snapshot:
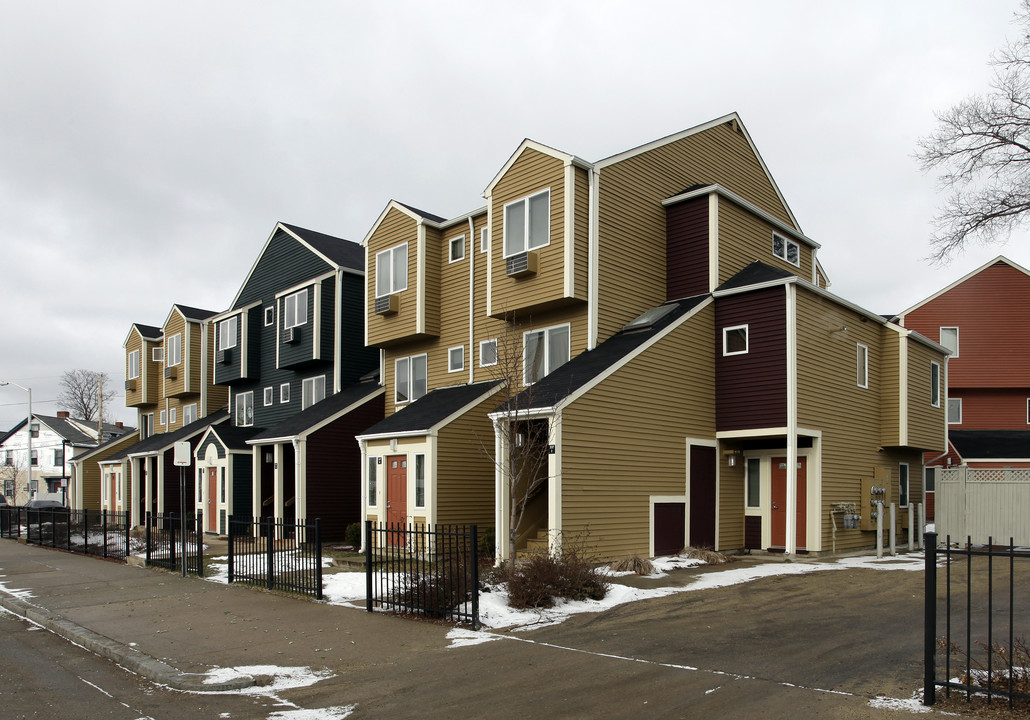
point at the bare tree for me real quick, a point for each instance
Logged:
(10, 469)
(83, 392)
(981, 148)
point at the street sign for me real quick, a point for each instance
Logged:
(183, 456)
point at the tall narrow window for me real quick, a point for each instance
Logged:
(487, 353)
(949, 339)
(392, 270)
(410, 381)
(245, 409)
(269, 395)
(420, 481)
(544, 351)
(284, 393)
(173, 356)
(863, 366)
(935, 384)
(903, 485)
(295, 311)
(171, 415)
(484, 240)
(754, 482)
(373, 468)
(527, 223)
(227, 333)
(189, 414)
(133, 372)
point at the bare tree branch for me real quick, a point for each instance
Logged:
(81, 391)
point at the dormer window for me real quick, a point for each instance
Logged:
(296, 309)
(527, 223)
(786, 249)
(392, 270)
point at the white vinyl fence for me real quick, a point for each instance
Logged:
(983, 503)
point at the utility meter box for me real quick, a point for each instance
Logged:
(876, 490)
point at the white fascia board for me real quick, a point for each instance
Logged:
(747, 205)
(380, 390)
(434, 429)
(757, 286)
(922, 339)
(235, 311)
(390, 436)
(392, 205)
(523, 414)
(528, 144)
(766, 432)
(446, 224)
(305, 284)
(964, 278)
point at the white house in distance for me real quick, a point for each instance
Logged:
(55, 442)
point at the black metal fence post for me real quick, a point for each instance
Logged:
(270, 555)
(318, 558)
(231, 549)
(368, 565)
(475, 577)
(930, 619)
(200, 543)
(147, 537)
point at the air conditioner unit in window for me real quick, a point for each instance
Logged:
(291, 335)
(223, 356)
(387, 305)
(130, 385)
(521, 265)
(170, 373)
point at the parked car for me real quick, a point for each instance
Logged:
(51, 505)
(3, 501)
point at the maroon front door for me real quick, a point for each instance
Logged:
(702, 496)
(779, 503)
(211, 510)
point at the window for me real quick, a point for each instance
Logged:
(34, 429)
(146, 425)
(200, 485)
(171, 416)
(284, 393)
(392, 270)
(163, 417)
(296, 311)
(457, 248)
(754, 482)
(35, 457)
(409, 378)
(949, 339)
(456, 359)
(227, 333)
(544, 351)
(487, 353)
(484, 240)
(189, 414)
(222, 484)
(312, 391)
(157, 354)
(245, 409)
(863, 366)
(269, 316)
(935, 384)
(734, 340)
(527, 223)
(174, 354)
(269, 396)
(373, 498)
(59, 457)
(5, 459)
(903, 485)
(420, 481)
(786, 249)
(134, 364)
(954, 411)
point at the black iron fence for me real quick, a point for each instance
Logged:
(983, 651)
(88, 532)
(276, 554)
(431, 571)
(175, 542)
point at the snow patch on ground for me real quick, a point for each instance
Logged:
(19, 593)
(330, 713)
(463, 637)
(912, 705)
(282, 678)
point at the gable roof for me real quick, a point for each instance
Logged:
(433, 409)
(230, 437)
(147, 332)
(591, 365)
(756, 273)
(163, 441)
(314, 417)
(991, 444)
(1000, 259)
(528, 144)
(125, 438)
(423, 213)
(67, 429)
(343, 253)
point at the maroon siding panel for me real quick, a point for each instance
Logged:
(751, 389)
(172, 479)
(334, 469)
(686, 249)
(752, 532)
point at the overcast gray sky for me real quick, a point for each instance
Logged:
(148, 148)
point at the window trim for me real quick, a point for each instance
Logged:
(157, 354)
(726, 352)
(958, 404)
(270, 316)
(311, 382)
(493, 341)
(394, 287)
(162, 418)
(526, 246)
(242, 422)
(450, 359)
(134, 355)
(940, 336)
(862, 365)
(372, 481)
(173, 342)
(268, 396)
(409, 377)
(787, 242)
(172, 414)
(749, 502)
(188, 416)
(484, 240)
(292, 322)
(284, 392)
(935, 384)
(223, 332)
(417, 480)
(450, 249)
(546, 332)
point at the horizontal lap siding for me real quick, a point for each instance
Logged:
(531, 173)
(744, 238)
(632, 219)
(687, 249)
(196, 355)
(581, 274)
(926, 423)
(395, 229)
(625, 440)
(465, 468)
(436, 258)
(354, 358)
(176, 326)
(454, 305)
(992, 409)
(890, 390)
(486, 328)
(242, 484)
(752, 387)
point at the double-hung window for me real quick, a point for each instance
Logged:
(173, 356)
(134, 365)
(392, 270)
(312, 391)
(935, 384)
(171, 415)
(410, 378)
(949, 339)
(544, 351)
(227, 333)
(527, 223)
(456, 359)
(457, 248)
(245, 409)
(786, 249)
(189, 414)
(488, 353)
(863, 365)
(295, 311)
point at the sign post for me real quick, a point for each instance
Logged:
(182, 457)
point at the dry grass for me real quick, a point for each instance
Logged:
(635, 564)
(706, 555)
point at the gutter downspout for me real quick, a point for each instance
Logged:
(473, 251)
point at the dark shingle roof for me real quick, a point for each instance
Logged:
(343, 252)
(192, 313)
(586, 366)
(754, 274)
(423, 213)
(67, 430)
(148, 331)
(1001, 444)
(112, 441)
(432, 409)
(320, 411)
(161, 441)
(234, 438)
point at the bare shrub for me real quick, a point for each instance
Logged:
(537, 580)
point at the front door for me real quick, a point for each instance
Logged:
(211, 509)
(779, 503)
(112, 493)
(702, 496)
(396, 494)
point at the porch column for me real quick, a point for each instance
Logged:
(501, 496)
(554, 525)
(255, 481)
(790, 544)
(300, 486)
(279, 504)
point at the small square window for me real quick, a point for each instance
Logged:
(284, 393)
(457, 248)
(487, 353)
(269, 316)
(735, 340)
(157, 354)
(269, 395)
(456, 359)
(161, 418)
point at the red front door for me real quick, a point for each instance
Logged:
(779, 503)
(212, 500)
(396, 495)
(112, 493)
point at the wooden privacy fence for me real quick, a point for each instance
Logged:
(979, 503)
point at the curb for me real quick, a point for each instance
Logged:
(130, 658)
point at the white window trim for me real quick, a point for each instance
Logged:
(223, 325)
(289, 322)
(269, 396)
(450, 365)
(450, 249)
(935, 385)
(414, 481)
(394, 287)
(862, 362)
(410, 377)
(311, 382)
(242, 422)
(157, 354)
(134, 371)
(189, 414)
(493, 341)
(270, 315)
(747, 340)
(747, 486)
(163, 418)
(284, 393)
(170, 360)
(372, 475)
(940, 336)
(787, 242)
(504, 220)
(958, 404)
(172, 413)
(546, 349)
(484, 240)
